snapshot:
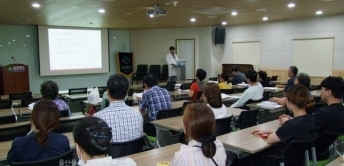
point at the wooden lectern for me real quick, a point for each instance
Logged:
(14, 78)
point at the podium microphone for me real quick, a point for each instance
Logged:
(13, 59)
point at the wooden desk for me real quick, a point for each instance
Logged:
(152, 157)
(268, 108)
(336, 162)
(6, 146)
(6, 112)
(243, 141)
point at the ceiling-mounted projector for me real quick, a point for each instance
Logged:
(156, 12)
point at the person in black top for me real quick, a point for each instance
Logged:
(298, 128)
(292, 74)
(238, 77)
(262, 78)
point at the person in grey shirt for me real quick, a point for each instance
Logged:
(238, 77)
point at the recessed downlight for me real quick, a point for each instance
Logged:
(265, 18)
(192, 19)
(319, 12)
(36, 5)
(151, 15)
(224, 23)
(261, 10)
(234, 13)
(291, 5)
(101, 11)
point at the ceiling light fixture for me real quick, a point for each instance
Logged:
(192, 19)
(101, 11)
(319, 12)
(234, 13)
(261, 10)
(151, 15)
(224, 23)
(291, 5)
(265, 18)
(36, 5)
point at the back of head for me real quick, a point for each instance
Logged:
(299, 96)
(294, 70)
(251, 75)
(225, 76)
(335, 84)
(304, 79)
(235, 69)
(262, 74)
(93, 135)
(201, 74)
(45, 117)
(212, 93)
(199, 124)
(150, 80)
(117, 86)
(49, 89)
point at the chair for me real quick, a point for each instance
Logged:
(5, 103)
(7, 134)
(66, 126)
(223, 126)
(247, 119)
(249, 102)
(141, 71)
(227, 91)
(65, 159)
(130, 92)
(75, 91)
(101, 90)
(295, 152)
(273, 78)
(185, 86)
(213, 79)
(120, 149)
(19, 96)
(268, 79)
(64, 113)
(164, 73)
(8, 119)
(26, 103)
(168, 87)
(156, 70)
(128, 102)
(171, 83)
(186, 103)
(163, 114)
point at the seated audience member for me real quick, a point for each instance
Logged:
(40, 143)
(302, 79)
(292, 72)
(126, 122)
(50, 90)
(105, 99)
(253, 92)
(238, 77)
(92, 138)
(203, 149)
(212, 96)
(224, 84)
(198, 85)
(262, 78)
(155, 98)
(299, 128)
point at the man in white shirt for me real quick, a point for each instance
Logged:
(254, 91)
(171, 59)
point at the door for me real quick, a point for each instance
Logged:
(185, 49)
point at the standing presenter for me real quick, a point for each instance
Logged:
(171, 59)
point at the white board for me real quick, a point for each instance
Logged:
(314, 56)
(246, 52)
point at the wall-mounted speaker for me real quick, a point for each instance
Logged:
(220, 34)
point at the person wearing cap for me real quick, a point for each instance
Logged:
(171, 59)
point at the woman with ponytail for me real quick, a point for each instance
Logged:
(203, 148)
(298, 128)
(92, 138)
(40, 143)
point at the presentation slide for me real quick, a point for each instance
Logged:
(65, 51)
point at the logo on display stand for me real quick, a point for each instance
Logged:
(15, 69)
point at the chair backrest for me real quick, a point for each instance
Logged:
(227, 91)
(294, 153)
(64, 113)
(266, 95)
(66, 126)
(247, 119)
(223, 126)
(168, 87)
(323, 143)
(101, 90)
(164, 72)
(163, 114)
(130, 92)
(27, 102)
(128, 102)
(199, 95)
(249, 102)
(273, 78)
(5, 103)
(155, 69)
(19, 96)
(213, 79)
(268, 79)
(172, 83)
(120, 149)
(186, 103)
(141, 70)
(11, 133)
(8, 119)
(184, 86)
(65, 158)
(74, 91)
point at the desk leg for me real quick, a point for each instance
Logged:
(239, 153)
